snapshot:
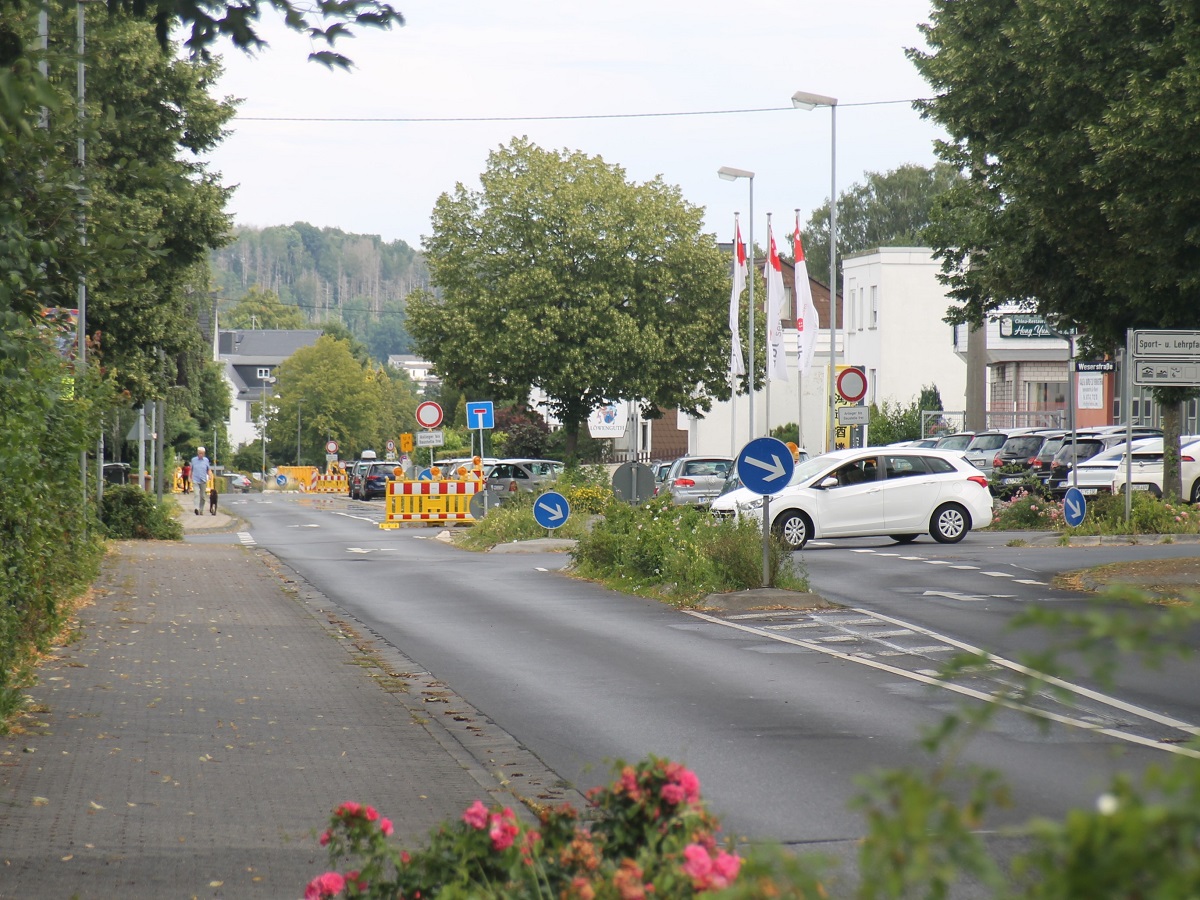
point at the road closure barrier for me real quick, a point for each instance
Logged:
(429, 501)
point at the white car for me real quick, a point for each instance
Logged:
(1147, 469)
(733, 494)
(1097, 474)
(899, 492)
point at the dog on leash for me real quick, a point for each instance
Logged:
(212, 501)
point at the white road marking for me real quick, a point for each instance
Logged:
(862, 550)
(1029, 581)
(914, 558)
(997, 574)
(938, 562)
(953, 595)
(246, 538)
(359, 550)
(923, 678)
(971, 568)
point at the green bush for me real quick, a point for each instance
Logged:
(1105, 515)
(678, 553)
(128, 512)
(1029, 483)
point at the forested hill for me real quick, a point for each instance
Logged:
(323, 271)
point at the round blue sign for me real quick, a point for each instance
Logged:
(281, 480)
(425, 475)
(1074, 506)
(551, 509)
(765, 465)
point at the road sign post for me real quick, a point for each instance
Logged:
(765, 465)
(551, 510)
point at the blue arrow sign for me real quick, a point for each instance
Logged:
(481, 414)
(1074, 506)
(281, 480)
(551, 509)
(765, 465)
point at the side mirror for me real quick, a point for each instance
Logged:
(829, 481)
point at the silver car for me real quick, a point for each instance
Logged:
(514, 475)
(696, 480)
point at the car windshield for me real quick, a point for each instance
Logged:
(988, 442)
(955, 442)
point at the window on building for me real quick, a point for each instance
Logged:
(848, 308)
(1046, 394)
(873, 381)
(264, 372)
(873, 321)
(249, 412)
(862, 296)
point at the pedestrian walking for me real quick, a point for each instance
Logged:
(201, 469)
(187, 477)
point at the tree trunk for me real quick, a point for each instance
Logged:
(1170, 401)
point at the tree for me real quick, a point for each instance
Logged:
(887, 209)
(260, 309)
(561, 276)
(1077, 124)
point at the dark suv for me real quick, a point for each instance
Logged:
(1031, 452)
(373, 480)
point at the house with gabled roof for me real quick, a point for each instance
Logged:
(250, 358)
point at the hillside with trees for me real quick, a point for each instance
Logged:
(326, 274)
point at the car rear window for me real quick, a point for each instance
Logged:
(988, 442)
(955, 442)
(1083, 450)
(1023, 446)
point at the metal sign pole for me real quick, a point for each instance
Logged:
(1128, 409)
(766, 530)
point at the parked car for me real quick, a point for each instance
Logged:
(1087, 444)
(450, 467)
(960, 441)
(373, 480)
(508, 476)
(238, 483)
(981, 452)
(1146, 473)
(696, 480)
(900, 493)
(920, 442)
(1024, 455)
(1096, 475)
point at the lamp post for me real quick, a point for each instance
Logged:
(299, 403)
(262, 431)
(806, 101)
(729, 173)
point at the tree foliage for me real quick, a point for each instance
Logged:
(561, 276)
(262, 310)
(1077, 124)
(886, 209)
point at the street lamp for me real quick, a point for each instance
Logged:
(262, 431)
(299, 403)
(728, 173)
(806, 101)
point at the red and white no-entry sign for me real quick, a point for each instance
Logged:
(851, 385)
(429, 414)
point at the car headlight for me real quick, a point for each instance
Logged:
(754, 504)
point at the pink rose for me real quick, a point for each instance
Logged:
(476, 815)
(371, 814)
(326, 838)
(385, 825)
(349, 809)
(690, 784)
(504, 829)
(673, 794)
(328, 885)
(698, 863)
(726, 867)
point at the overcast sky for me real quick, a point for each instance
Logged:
(469, 59)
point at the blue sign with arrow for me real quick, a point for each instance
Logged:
(480, 415)
(765, 465)
(1074, 506)
(281, 480)
(551, 509)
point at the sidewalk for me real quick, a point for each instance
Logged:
(194, 739)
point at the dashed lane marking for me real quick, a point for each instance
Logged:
(246, 538)
(997, 574)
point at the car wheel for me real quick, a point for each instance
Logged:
(950, 524)
(903, 538)
(1196, 491)
(794, 528)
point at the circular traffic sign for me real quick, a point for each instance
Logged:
(765, 465)
(851, 385)
(281, 480)
(429, 414)
(331, 446)
(390, 446)
(1074, 506)
(551, 509)
(633, 482)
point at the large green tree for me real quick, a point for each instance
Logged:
(260, 309)
(561, 275)
(1077, 124)
(890, 208)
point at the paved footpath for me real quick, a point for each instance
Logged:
(194, 738)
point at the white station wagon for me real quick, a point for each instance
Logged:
(901, 492)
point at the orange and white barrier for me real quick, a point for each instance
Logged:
(429, 501)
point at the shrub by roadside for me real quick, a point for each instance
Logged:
(1105, 515)
(130, 513)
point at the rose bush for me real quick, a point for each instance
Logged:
(647, 835)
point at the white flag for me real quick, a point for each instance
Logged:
(806, 312)
(737, 366)
(776, 359)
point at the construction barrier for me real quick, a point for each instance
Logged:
(429, 501)
(327, 484)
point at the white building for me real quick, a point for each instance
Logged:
(250, 359)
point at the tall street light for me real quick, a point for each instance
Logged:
(806, 101)
(731, 174)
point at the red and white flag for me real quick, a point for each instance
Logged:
(737, 365)
(806, 312)
(776, 358)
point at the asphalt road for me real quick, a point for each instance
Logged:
(777, 712)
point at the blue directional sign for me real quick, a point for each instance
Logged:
(480, 415)
(425, 475)
(281, 480)
(765, 465)
(1074, 506)
(551, 509)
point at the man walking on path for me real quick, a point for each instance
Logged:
(200, 472)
